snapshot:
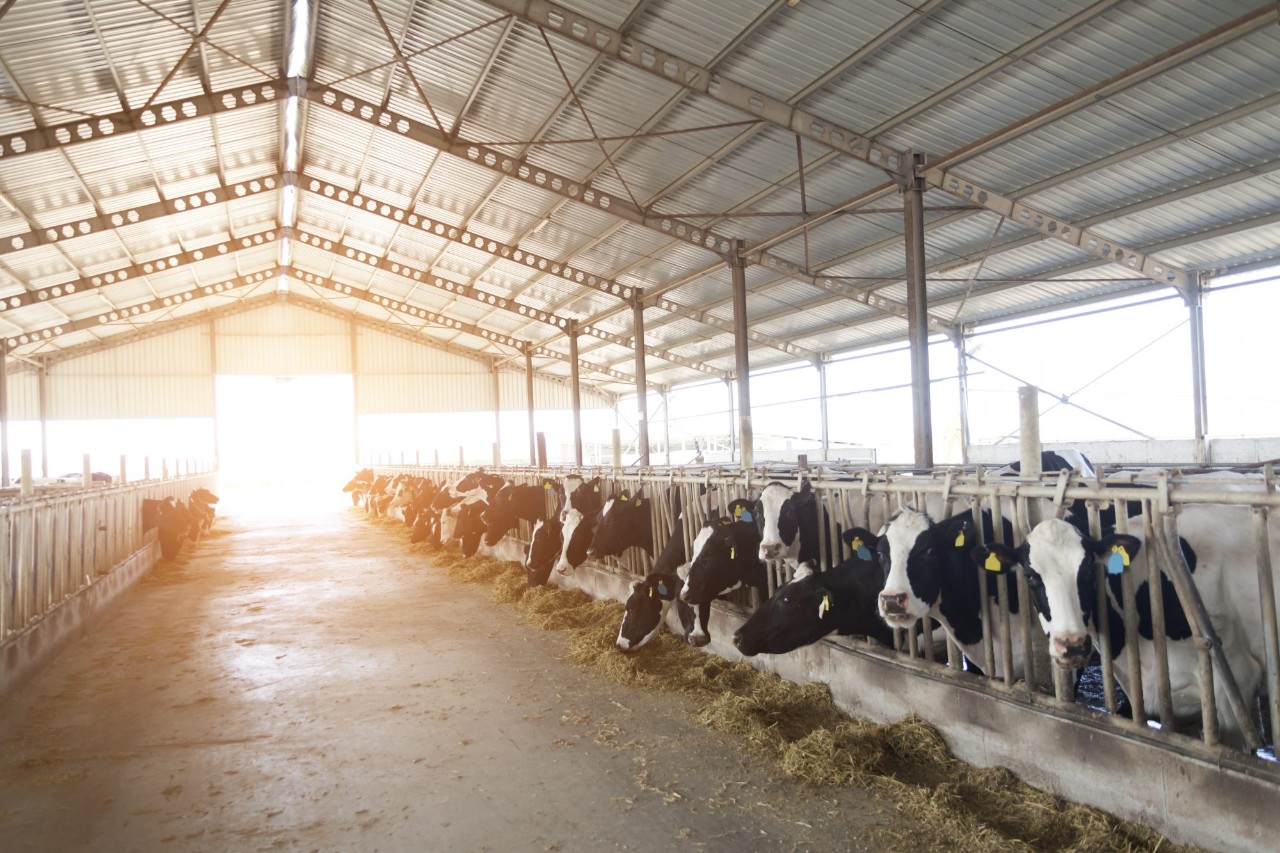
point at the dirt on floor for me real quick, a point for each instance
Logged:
(304, 680)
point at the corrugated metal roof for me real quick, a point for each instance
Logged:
(1178, 159)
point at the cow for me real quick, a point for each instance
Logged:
(1059, 560)
(625, 522)
(479, 479)
(579, 521)
(727, 558)
(513, 502)
(359, 484)
(173, 521)
(468, 527)
(788, 522)
(649, 600)
(1053, 460)
(201, 504)
(928, 573)
(544, 547)
(815, 603)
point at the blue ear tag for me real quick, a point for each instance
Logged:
(662, 589)
(1118, 561)
(744, 515)
(861, 550)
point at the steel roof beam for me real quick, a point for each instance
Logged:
(598, 37)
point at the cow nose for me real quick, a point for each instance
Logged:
(1072, 648)
(737, 640)
(893, 602)
(770, 551)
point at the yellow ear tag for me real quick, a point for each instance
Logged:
(733, 552)
(993, 563)
(546, 486)
(824, 606)
(1124, 555)
(651, 592)
(595, 488)
(960, 539)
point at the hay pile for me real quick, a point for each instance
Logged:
(951, 805)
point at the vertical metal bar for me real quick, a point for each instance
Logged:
(1134, 688)
(497, 419)
(1024, 598)
(917, 309)
(642, 383)
(42, 403)
(213, 386)
(1199, 397)
(575, 393)
(733, 422)
(984, 590)
(1159, 642)
(962, 365)
(1267, 601)
(741, 352)
(4, 411)
(666, 424)
(355, 394)
(28, 488)
(822, 411)
(617, 449)
(528, 396)
(1208, 702)
(1102, 609)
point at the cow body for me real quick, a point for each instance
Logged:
(929, 573)
(512, 503)
(646, 607)
(728, 558)
(1059, 562)
(625, 522)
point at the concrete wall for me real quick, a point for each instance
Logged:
(1193, 794)
(23, 654)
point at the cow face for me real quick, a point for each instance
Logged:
(1059, 565)
(500, 515)
(470, 525)
(586, 496)
(544, 546)
(624, 521)
(779, 522)
(644, 610)
(914, 553)
(798, 613)
(722, 561)
(578, 534)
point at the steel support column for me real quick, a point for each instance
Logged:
(528, 395)
(497, 416)
(355, 395)
(962, 373)
(575, 393)
(1199, 397)
(741, 353)
(642, 385)
(4, 411)
(42, 404)
(666, 423)
(917, 311)
(822, 411)
(213, 389)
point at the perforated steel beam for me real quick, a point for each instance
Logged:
(484, 297)
(638, 54)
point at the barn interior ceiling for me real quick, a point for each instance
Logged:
(507, 178)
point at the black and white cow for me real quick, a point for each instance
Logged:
(788, 521)
(814, 604)
(646, 607)
(468, 525)
(545, 545)
(579, 520)
(358, 484)
(726, 558)
(1059, 563)
(513, 502)
(928, 573)
(1053, 460)
(625, 522)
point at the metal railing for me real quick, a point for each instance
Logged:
(1144, 500)
(59, 542)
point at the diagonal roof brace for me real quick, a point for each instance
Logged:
(603, 39)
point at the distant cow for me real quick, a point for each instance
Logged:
(579, 519)
(814, 604)
(625, 522)
(646, 607)
(512, 503)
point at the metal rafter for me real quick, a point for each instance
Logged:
(596, 36)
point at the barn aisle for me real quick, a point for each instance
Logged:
(300, 681)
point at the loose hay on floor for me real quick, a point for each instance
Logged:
(952, 804)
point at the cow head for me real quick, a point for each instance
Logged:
(624, 521)
(798, 613)
(578, 533)
(778, 521)
(915, 553)
(645, 607)
(469, 527)
(1058, 561)
(586, 496)
(544, 546)
(726, 557)
(500, 516)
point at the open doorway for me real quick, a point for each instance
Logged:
(285, 432)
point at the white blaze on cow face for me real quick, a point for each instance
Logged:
(699, 631)
(1056, 554)
(898, 604)
(772, 498)
(569, 520)
(533, 537)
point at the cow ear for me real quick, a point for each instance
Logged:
(861, 542)
(1118, 549)
(635, 585)
(806, 487)
(995, 558)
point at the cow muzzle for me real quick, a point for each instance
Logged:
(893, 604)
(770, 550)
(1071, 651)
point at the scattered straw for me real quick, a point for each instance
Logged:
(950, 804)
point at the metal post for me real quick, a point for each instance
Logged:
(4, 411)
(917, 311)
(575, 393)
(88, 472)
(123, 474)
(42, 403)
(355, 395)
(542, 450)
(642, 383)
(146, 467)
(1199, 399)
(617, 448)
(497, 417)
(528, 394)
(741, 352)
(1029, 426)
(213, 386)
(962, 371)
(28, 487)
(822, 411)
(666, 423)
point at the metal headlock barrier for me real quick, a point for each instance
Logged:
(60, 541)
(1146, 500)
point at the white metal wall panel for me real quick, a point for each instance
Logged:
(547, 395)
(24, 401)
(167, 376)
(396, 375)
(283, 340)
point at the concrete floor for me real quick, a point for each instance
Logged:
(301, 681)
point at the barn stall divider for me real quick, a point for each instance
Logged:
(1094, 748)
(70, 552)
